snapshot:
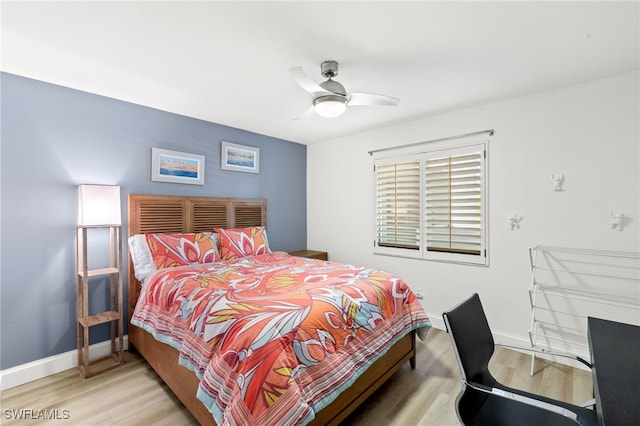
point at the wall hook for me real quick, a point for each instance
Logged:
(618, 221)
(515, 221)
(557, 182)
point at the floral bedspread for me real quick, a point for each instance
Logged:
(275, 338)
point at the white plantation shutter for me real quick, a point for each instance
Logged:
(398, 204)
(453, 186)
(432, 205)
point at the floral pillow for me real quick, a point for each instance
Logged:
(236, 243)
(170, 250)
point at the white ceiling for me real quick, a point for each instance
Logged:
(228, 62)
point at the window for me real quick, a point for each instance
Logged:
(398, 204)
(432, 205)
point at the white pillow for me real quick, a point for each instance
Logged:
(141, 257)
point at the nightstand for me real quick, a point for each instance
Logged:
(311, 254)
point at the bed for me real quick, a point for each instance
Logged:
(202, 387)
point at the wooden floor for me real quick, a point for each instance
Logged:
(134, 395)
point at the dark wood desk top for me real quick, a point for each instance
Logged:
(615, 355)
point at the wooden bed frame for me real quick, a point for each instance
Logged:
(177, 214)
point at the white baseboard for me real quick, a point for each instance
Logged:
(25, 373)
(436, 321)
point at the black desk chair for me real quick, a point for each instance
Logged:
(484, 401)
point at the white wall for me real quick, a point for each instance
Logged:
(589, 131)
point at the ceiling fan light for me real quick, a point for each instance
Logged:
(330, 106)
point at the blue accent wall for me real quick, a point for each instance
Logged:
(55, 138)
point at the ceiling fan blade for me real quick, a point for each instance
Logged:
(306, 82)
(306, 114)
(360, 99)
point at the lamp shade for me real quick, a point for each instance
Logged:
(99, 205)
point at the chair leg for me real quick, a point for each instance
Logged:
(589, 403)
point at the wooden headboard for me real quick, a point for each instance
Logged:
(183, 214)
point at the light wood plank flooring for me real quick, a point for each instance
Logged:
(134, 395)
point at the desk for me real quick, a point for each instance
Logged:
(615, 355)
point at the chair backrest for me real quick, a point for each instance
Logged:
(472, 340)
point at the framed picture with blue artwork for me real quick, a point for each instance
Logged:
(240, 158)
(176, 167)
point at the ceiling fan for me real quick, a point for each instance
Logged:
(330, 98)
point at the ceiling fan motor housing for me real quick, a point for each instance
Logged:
(334, 87)
(329, 69)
